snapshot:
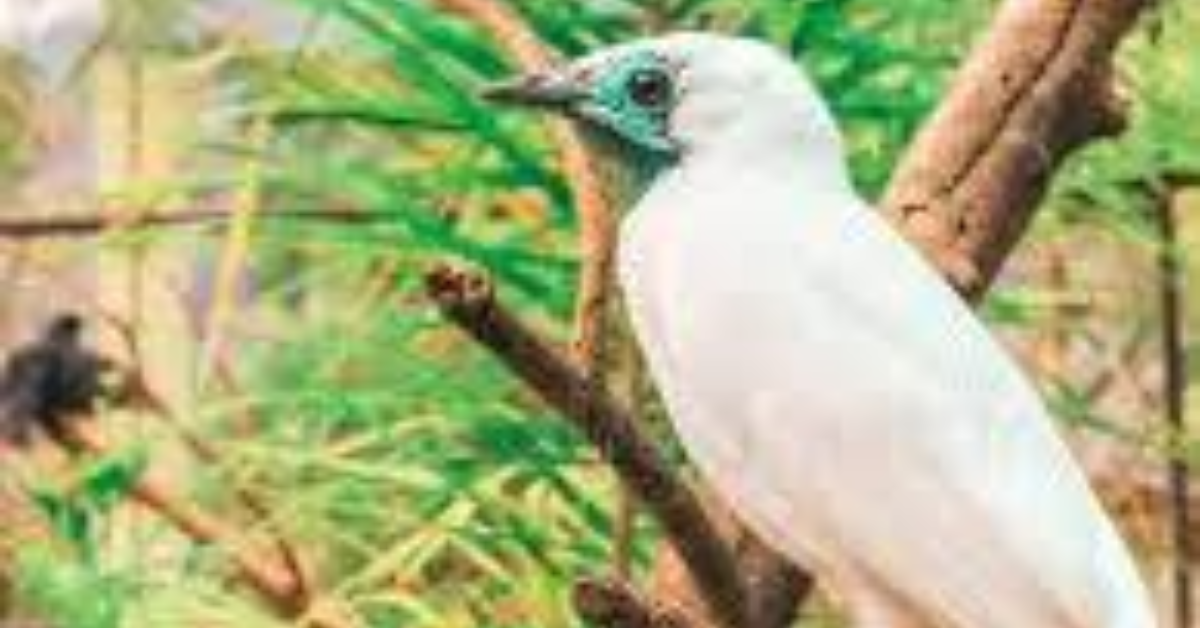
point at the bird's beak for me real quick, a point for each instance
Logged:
(540, 90)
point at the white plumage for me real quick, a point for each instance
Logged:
(830, 385)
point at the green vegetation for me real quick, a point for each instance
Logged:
(421, 483)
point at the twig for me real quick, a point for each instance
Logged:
(89, 225)
(1170, 291)
(236, 247)
(140, 393)
(596, 233)
(596, 225)
(272, 583)
(467, 300)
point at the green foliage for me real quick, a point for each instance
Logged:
(69, 593)
(1160, 79)
(407, 456)
(73, 511)
(426, 486)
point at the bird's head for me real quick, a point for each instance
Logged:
(665, 99)
(64, 328)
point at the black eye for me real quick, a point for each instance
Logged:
(649, 88)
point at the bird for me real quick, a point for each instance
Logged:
(45, 384)
(820, 374)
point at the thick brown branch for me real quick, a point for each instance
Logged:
(467, 299)
(1034, 90)
(614, 603)
(596, 225)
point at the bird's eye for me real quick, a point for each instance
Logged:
(649, 88)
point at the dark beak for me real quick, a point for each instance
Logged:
(541, 90)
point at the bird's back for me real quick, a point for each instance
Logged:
(855, 411)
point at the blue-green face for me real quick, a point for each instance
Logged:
(628, 98)
(632, 99)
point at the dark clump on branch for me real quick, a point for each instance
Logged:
(50, 380)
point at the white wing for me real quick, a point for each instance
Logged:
(856, 413)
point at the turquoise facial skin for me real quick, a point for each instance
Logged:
(611, 105)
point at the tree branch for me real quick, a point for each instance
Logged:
(273, 582)
(1174, 395)
(613, 603)
(596, 233)
(467, 299)
(89, 225)
(1033, 91)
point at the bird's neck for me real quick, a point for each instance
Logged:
(812, 162)
(789, 133)
(803, 149)
(627, 172)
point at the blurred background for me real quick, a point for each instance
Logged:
(304, 395)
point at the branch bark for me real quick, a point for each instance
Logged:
(596, 228)
(1035, 89)
(274, 582)
(97, 224)
(614, 603)
(1174, 395)
(467, 299)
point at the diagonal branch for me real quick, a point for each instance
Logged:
(595, 217)
(97, 224)
(274, 582)
(1034, 90)
(467, 299)
(614, 603)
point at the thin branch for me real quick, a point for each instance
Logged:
(1174, 358)
(92, 225)
(597, 233)
(467, 300)
(273, 583)
(139, 392)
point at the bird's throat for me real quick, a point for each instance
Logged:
(627, 171)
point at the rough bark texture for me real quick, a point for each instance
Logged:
(467, 299)
(615, 603)
(775, 586)
(1036, 88)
